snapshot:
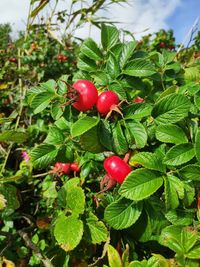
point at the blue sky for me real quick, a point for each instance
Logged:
(139, 17)
(183, 17)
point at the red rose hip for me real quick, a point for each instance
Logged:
(88, 95)
(106, 101)
(117, 168)
(74, 167)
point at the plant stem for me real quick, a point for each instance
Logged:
(40, 174)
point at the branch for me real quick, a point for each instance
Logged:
(35, 249)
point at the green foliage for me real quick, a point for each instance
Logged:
(152, 218)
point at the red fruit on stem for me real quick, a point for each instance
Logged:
(64, 59)
(88, 95)
(138, 99)
(74, 167)
(117, 168)
(171, 47)
(106, 101)
(197, 55)
(162, 44)
(60, 57)
(13, 59)
(63, 168)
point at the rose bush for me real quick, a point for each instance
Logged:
(151, 216)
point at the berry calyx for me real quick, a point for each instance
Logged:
(117, 168)
(87, 97)
(107, 101)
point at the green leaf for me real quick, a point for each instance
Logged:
(180, 217)
(120, 143)
(56, 111)
(141, 230)
(192, 73)
(194, 253)
(171, 238)
(189, 193)
(139, 68)
(90, 49)
(83, 125)
(113, 257)
(197, 145)
(171, 109)
(190, 172)
(41, 101)
(97, 229)
(174, 189)
(122, 213)
(55, 136)
(43, 155)
(10, 196)
(149, 160)
(158, 261)
(138, 264)
(188, 238)
(179, 154)
(171, 133)
(101, 78)
(140, 184)
(197, 101)
(137, 111)
(86, 64)
(68, 232)
(90, 141)
(13, 136)
(105, 134)
(118, 88)
(49, 190)
(36, 10)
(138, 133)
(112, 67)
(75, 197)
(126, 53)
(62, 124)
(109, 36)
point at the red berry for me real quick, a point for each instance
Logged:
(106, 101)
(171, 47)
(197, 55)
(64, 59)
(138, 99)
(13, 59)
(162, 44)
(88, 95)
(117, 168)
(63, 168)
(74, 167)
(60, 57)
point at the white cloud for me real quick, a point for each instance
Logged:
(137, 16)
(15, 12)
(145, 14)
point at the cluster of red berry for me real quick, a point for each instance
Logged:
(88, 97)
(61, 58)
(61, 168)
(117, 169)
